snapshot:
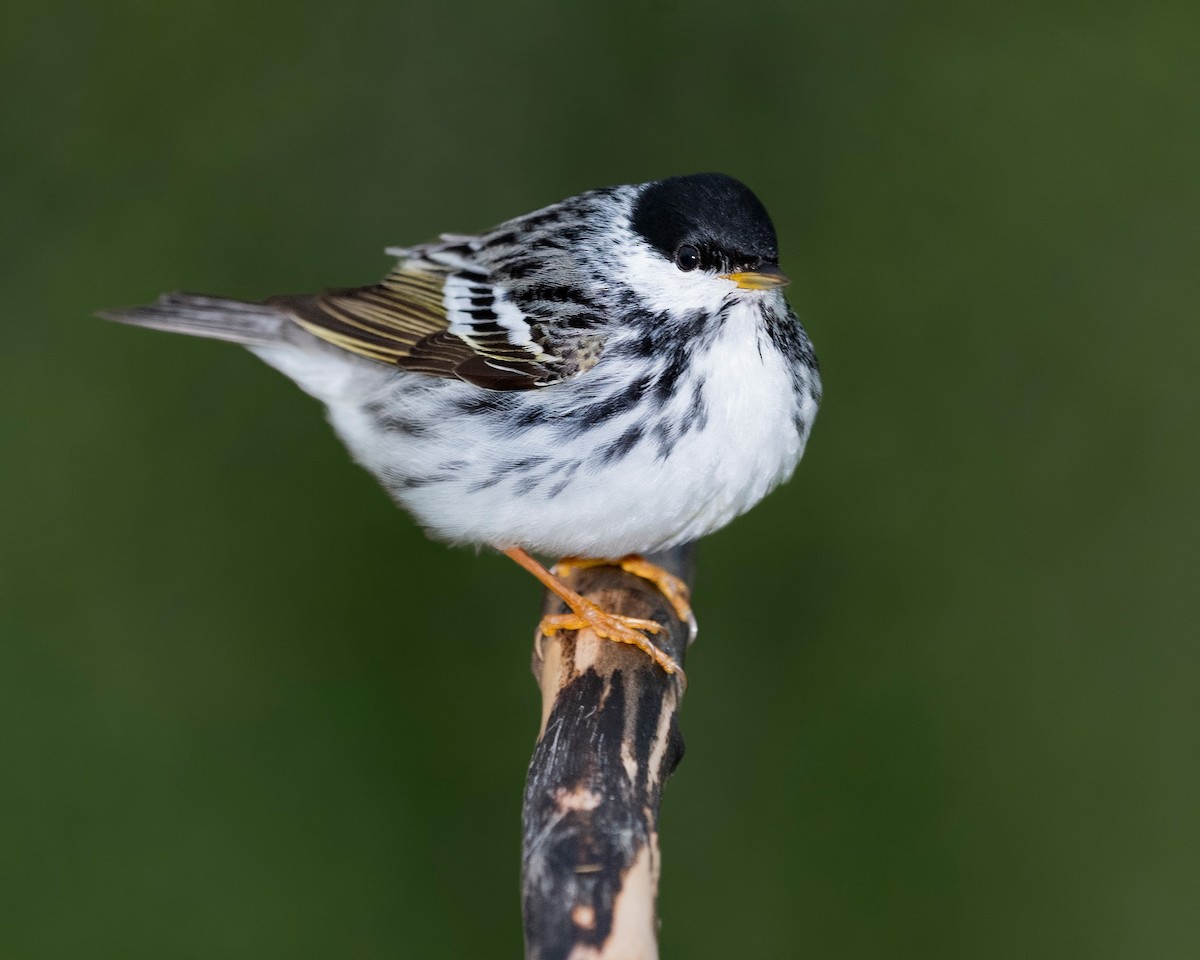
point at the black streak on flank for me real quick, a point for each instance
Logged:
(601, 411)
(526, 463)
(394, 422)
(531, 415)
(485, 401)
(403, 482)
(662, 335)
(620, 447)
(652, 330)
(669, 431)
(526, 485)
(666, 438)
(675, 368)
(697, 413)
(564, 476)
(404, 425)
(486, 484)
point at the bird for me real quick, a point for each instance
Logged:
(606, 377)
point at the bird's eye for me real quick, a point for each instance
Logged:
(687, 257)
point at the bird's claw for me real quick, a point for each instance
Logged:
(674, 589)
(615, 627)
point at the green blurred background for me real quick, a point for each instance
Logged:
(945, 698)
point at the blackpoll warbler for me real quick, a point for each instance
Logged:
(609, 376)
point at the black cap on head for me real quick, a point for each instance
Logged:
(707, 210)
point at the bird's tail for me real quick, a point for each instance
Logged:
(251, 324)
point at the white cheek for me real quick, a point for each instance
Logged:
(663, 286)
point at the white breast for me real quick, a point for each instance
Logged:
(643, 502)
(745, 444)
(750, 443)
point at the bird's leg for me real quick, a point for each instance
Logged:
(669, 585)
(586, 615)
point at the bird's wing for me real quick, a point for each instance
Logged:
(435, 313)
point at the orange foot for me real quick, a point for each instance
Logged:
(669, 585)
(610, 626)
(585, 615)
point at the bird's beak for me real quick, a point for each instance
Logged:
(766, 277)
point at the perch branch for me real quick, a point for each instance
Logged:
(608, 741)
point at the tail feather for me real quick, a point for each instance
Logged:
(251, 324)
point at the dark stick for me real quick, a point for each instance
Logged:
(608, 742)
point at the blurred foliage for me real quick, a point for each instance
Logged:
(944, 702)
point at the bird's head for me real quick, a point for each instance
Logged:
(699, 239)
